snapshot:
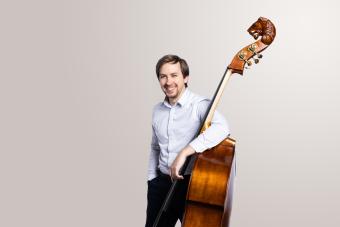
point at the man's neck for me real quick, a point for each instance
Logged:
(172, 102)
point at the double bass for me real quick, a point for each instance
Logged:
(210, 190)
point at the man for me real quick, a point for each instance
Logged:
(175, 122)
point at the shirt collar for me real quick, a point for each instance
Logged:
(181, 101)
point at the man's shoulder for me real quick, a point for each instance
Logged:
(196, 98)
(159, 106)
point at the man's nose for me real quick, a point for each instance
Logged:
(168, 81)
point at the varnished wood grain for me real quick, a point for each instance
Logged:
(210, 187)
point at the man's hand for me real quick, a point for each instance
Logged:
(179, 162)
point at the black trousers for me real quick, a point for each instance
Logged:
(157, 191)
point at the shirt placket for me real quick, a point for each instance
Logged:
(171, 132)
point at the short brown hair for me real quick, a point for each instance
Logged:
(173, 59)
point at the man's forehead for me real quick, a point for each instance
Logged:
(170, 68)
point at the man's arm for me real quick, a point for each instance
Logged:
(154, 157)
(216, 133)
(179, 162)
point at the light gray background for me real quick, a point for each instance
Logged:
(77, 87)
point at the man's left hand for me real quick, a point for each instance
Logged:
(179, 162)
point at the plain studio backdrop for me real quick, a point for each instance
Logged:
(78, 85)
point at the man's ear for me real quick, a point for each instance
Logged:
(186, 79)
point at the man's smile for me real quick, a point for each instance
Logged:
(170, 89)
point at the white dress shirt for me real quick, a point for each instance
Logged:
(174, 127)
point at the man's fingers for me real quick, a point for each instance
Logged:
(175, 175)
(172, 175)
(180, 177)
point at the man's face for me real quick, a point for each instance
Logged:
(172, 81)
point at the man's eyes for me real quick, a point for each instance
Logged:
(172, 75)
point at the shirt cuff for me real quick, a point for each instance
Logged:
(152, 176)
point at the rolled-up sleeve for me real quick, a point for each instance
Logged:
(216, 133)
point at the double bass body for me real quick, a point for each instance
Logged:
(210, 190)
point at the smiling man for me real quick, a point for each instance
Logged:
(175, 122)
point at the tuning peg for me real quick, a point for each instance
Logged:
(248, 64)
(252, 49)
(242, 56)
(256, 60)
